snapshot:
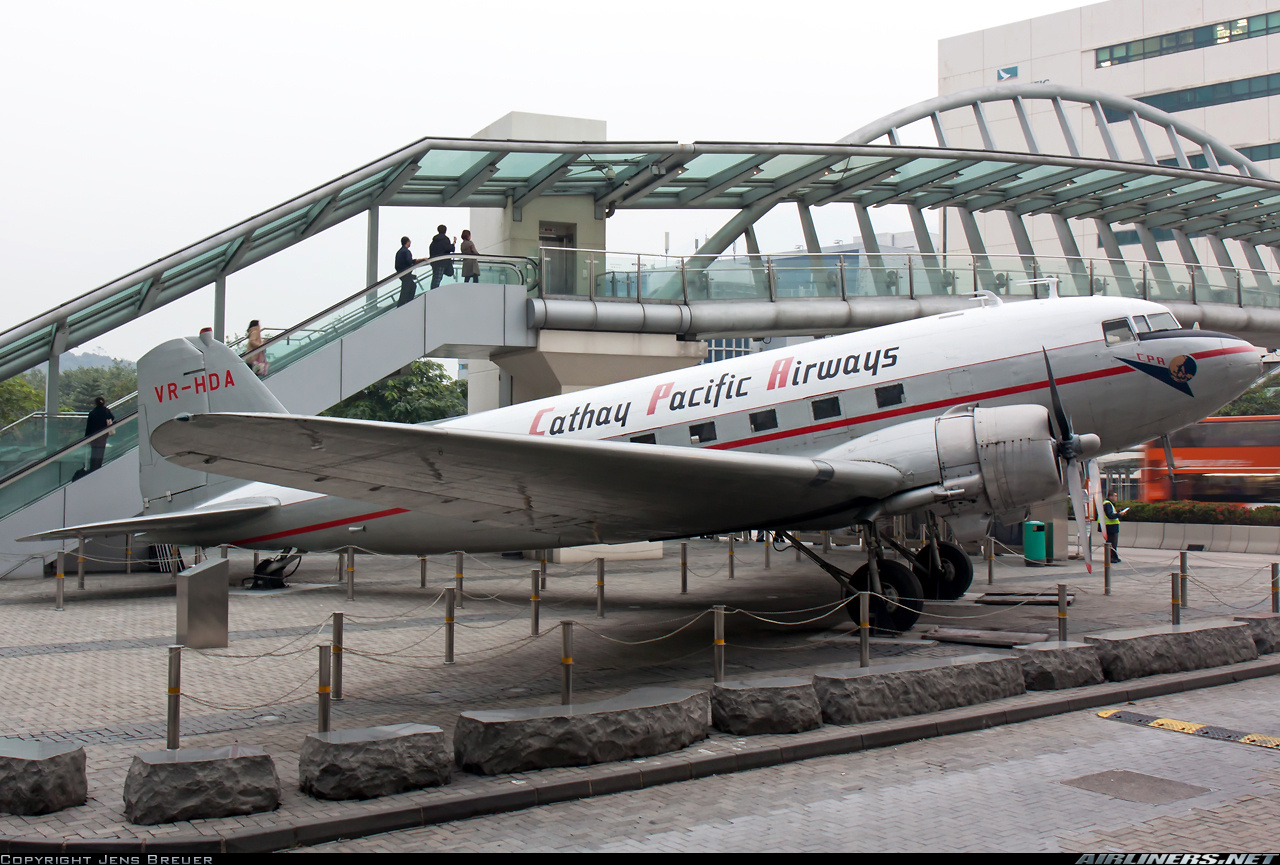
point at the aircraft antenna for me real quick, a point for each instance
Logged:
(1050, 281)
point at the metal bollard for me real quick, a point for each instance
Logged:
(826, 542)
(1182, 579)
(172, 714)
(1106, 569)
(719, 642)
(322, 691)
(57, 588)
(768, 545)
(1062, 612)
(337, 568)
(80, 562)
(450, 595)
(566, 663)
(257, 558)
(1177, 602)
(798, 550)
(731, 557)
(991, 560)
(534, 602)
(128, 554)
(542, 570)
(337, 656)
(1275, 587)
(351, 573)
(864, 629)
(599, 588)
(684, 567)
(422, 565)
(223, 550)
(457, 578)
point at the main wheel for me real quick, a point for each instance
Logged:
(956, 575)
(903, 600)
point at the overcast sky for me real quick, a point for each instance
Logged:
(132, 128)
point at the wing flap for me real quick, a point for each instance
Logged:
(593, 490)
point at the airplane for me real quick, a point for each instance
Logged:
(964, 417)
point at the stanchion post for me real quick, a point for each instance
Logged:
(826, 541)
(450, 596)
(534, 602)
(1177, 602)
(257, 558)
(457, 578)
(322, 691)
(684, 567)
(566, 663)
(991, 560)
(337, 656)
(719, 642)
(61, 578)
(422, 567)
(1182, 579)
(542, 570)
(128, 553)
(1062, 612)
(731, 557)
(223, 550)
(1106, 569)
(599, 588)
(351, 573)
(864, 629)
(172, 715)
(80, 562)
(768, 545)
(1275, 587)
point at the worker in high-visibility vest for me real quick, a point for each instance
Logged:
(1111, 521)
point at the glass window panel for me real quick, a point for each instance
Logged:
(196, 262)
(1118, 331)
(448, 163)
(361, 186)
(710, 164)
(764, 420)
(1140, 322)
(784, 164)
(520, 166)
(1163, 321)
(826, 408)
(701, 433)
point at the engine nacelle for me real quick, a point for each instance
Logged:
(998, 459)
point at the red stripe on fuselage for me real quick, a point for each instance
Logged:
(320, 526)
(1219, 352)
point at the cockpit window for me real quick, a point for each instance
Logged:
(1140, 322)
(1117, 331)
(1163, 321)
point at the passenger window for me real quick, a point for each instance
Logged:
(1117, 331)
(764, 420)
(1163, 321)
(1140, 322)
(888, 395)
(826, 408)
(701, 433)
(646, 439)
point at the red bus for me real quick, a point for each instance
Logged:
(1219, 459)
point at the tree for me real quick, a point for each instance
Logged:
(425, 393)
(1262, 398)
(77, 388)
(18, 399)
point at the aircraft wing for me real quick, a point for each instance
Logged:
(232, 512)
(607, 491)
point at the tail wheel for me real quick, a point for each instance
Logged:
(956, 575)
(903, 600)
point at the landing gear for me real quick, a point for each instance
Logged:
(948, 578)
(272, 573)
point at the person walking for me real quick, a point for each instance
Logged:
(100, 418)
(257, 360)
(1111, 521)
(470, 266)
(440, 246)
(404, 261)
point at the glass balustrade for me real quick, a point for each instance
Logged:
(60, 468)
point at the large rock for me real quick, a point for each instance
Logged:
(1053, 665)
(758, 706)
(640, 723)
(1135, 652)
(1265, 630)
(195, 783)
(41, 777)
(373, 761)
(856, 695)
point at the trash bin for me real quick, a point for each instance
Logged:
(1033, 538)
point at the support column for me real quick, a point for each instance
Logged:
(759, 278)
(1124, 280)
(1067, 240)
(871, 248)
(220, 307)
(51, 382)
(371, 248)
(928, 256)
(813, 247)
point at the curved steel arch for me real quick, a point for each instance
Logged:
(1225, 153)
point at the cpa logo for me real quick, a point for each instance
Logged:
(1182, 368)
(1176, 374)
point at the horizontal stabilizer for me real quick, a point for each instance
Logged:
(212, 517)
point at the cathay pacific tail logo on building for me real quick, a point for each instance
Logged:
(1004, 73)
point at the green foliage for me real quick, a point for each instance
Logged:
(1262, 398)
(1212, 513)
(77, 388)
(426, 393)
(18, 399)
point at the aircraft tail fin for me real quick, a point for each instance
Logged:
(190, 375)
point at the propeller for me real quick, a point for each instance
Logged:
(1168, 461)
(1071, 448)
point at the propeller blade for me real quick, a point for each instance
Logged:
(1059, 413)
(1168, 461)
(1075, 483)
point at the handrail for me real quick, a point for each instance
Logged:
(73, 414)
(18, 474)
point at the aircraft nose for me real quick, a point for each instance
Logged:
(1240, 359)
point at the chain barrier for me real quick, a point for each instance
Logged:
(607, 638)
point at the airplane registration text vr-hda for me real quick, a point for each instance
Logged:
(967, 416)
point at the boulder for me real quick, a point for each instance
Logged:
(758, 706)
(1265, 630)
(41, 777)
(640, 723)
(373, 761)
(1053, 665)
(196, 783)
(1134, 652)
(856, 695)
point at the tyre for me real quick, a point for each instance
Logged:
(903, 600)
(956, 575)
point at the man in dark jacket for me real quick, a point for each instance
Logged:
(404, 261)
(99, 419)
(440, 245)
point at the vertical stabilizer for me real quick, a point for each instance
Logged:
(190, 375)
